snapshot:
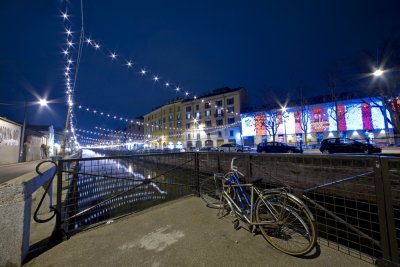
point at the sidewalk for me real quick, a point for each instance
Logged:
(11, 171)
(180, 233)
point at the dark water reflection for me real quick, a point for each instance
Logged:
(108, 188)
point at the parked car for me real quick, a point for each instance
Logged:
(347, 145)
(230, 148)
(208, 149)
(277, 147)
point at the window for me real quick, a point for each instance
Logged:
(207, 105)
(231, 120)
(198, 136)
(219, 122)
(231, 109)
(188, 108)
(231, 133)
(170, 117)
(230, 101)
(179, 108)
(188, 125)
(188, 116)
(198, 115)
(208, 123)
(188, 136)
(197, 107)
(219, 134)
(178, 124)
(218, 103)
(208, 112)
(208, 135)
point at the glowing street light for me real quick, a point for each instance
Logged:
(43, 102)
(378, 72)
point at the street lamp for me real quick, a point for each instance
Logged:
(378, 72)
(285, 116)
(42, 102)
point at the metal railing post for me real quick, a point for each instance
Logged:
(390, 222)
(380, 199)
(58, 234)
(247, 160)
(197, 171)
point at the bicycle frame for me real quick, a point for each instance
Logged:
(239, 188)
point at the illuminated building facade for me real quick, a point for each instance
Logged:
(209, 120)
(356, 118)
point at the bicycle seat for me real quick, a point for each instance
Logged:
(253, 180)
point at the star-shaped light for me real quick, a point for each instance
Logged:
(68, 32)
(195, 97)
(156, 78)
(70, 43)
(96, 46)
(80, 107)
(65, 52)
(94, 111)
(186, 93)
(87, 109)
(129, 64)
(143, 71)
(113, 56)
(177, 88)
(64, 15)
(101, 113)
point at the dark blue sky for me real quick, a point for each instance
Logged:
(200, 45)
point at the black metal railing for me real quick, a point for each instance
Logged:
(355, 199)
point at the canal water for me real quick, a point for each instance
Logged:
(109, 188)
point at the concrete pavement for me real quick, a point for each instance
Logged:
(180, 233)
(11, 171)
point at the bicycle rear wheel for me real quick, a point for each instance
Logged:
(210, 191)
(289, 226)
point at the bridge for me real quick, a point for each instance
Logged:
(353, 198)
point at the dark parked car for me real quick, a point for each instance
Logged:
(230, 148)
(208, 148)
(347, 145)
(277, 147)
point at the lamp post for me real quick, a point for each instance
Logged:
(379, 74)
(42, 102)
(285, 116)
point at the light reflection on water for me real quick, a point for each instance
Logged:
(100, 180)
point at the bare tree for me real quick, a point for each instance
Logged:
(383, 90)
(272, 123)
(303, 116)
(337, 112)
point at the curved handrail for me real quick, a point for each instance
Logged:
(53, 209)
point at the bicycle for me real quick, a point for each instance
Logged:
(283, 219)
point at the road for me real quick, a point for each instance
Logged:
(11, 171)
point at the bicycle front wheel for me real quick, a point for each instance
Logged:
(289, 226)
(210, 191)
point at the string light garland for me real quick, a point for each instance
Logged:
(71, 47)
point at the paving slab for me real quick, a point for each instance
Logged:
(179, 233)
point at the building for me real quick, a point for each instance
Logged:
(355, 118)
(10, 138)
(209, 120)
(134, 134)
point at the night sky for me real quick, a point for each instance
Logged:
(198, 45)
